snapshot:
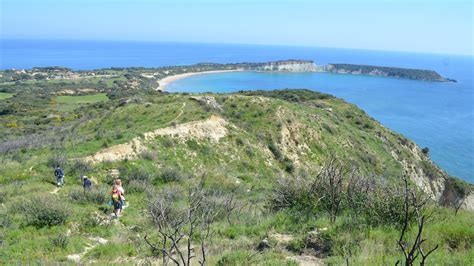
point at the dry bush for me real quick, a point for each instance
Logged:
(338, 188)
(183, 222)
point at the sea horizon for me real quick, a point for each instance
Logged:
(7, 44)
(234, 43)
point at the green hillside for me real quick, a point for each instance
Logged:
(251, 166)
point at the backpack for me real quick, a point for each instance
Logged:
(116, 197)
(87, 183)
(59, 172)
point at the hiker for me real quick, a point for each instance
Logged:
(118, 183)
(59, 174)
(86, 183)
(116, 201)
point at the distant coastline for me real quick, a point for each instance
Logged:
(160, 77)
(163, 83)
(306, 66)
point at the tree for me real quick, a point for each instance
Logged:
(329, 184)
(425, 150)
(175, 225)
(413, 208)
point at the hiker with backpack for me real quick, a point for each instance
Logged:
(59, 174)
(118, 183)
(116, 201)
(86, 184)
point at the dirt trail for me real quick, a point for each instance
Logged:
(282, 238)
(181, 112)
(55, 191)
(95, 242)
(305, 260)
(302, 259)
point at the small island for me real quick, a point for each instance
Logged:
(394, 72)
(380, 71)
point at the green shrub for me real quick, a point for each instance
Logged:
(167, 143)
(95, 195)
(293, 193)
(3, 196)
(230, 232)
(44, 211)
(382, 206)
(170, 175)
(193, 144)
(249, 151)
(5, 220)
(112, 250)
(275, 151)
(458, 236)
(137, 186)
(90, 222)
(328, 128)
(80, 168)
(425, 150)
(234, 258)
(135, 174)
(290, 95)
(239, 142)
(289, 166)
(296, 245)
(57, 159)
(60, 241)
(148, 155)
(367, 199)
(118, 134)
(376, 202)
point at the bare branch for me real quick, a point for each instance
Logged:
(417, 205)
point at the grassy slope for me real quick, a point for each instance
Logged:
(69, 103)
(93, 98)
(5, 95)
(239, 164)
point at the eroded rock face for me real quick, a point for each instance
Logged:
(289, 66)
(213, 129)
(431, 179)
(129, 150)
(468, 202)
(294, 137)
(207, 101)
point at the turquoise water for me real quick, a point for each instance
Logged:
(437, 115)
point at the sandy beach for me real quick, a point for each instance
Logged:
(170, 79)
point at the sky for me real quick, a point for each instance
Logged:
(431, 26)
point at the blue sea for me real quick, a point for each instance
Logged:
(435, 115)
